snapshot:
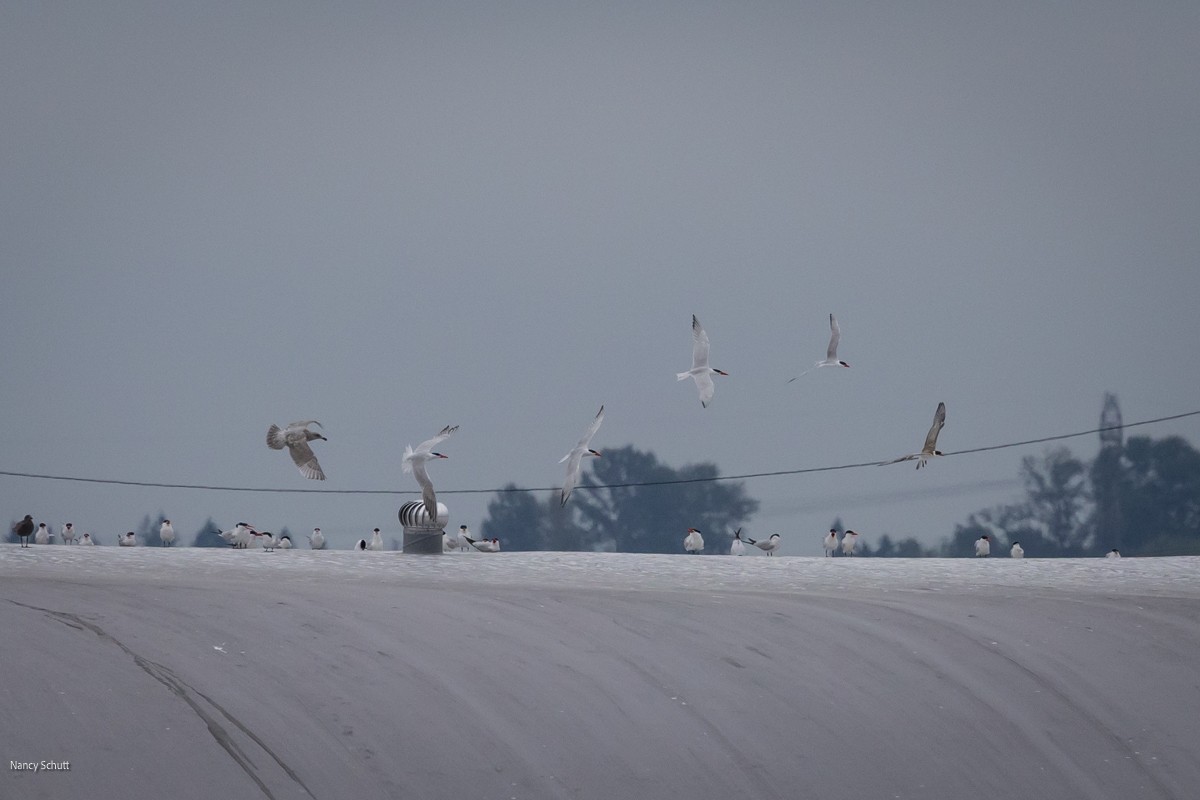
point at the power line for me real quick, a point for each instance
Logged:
(631, 484)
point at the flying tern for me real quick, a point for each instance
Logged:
(831, 356)
(700, 372)
(930, 449)
(577, 453)
(414, 462)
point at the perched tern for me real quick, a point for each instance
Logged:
(376, 542)
(87, 539)
(166, 533)
(295, 437)
(1114, 553)
(700, 372)
(983, 546)
(831, 542)
(43, 534)
(577, 453)
(361, 544)
(284, 542)
(68, 533)
(128, 540)
(849, 542)
(316, 539)
(414, 462)
(831, 358)
(768, 546)
(456, 542)
(930, 449)
(24, 529)
(485, 546)
(1017, 551)
(693, 542)
(737, 548)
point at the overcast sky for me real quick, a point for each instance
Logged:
(392, 217)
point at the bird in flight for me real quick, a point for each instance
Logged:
(831, 356)
(700, 372)
(930, 449)
(295, 437)
(577, 453)
(414, 462)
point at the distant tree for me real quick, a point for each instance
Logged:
(1056, 492)
(208, 535)
(642, 511)
(514, 517)
(613, 508)
(1004, 525)
(1161, 497)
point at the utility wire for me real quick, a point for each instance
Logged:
(585, 486)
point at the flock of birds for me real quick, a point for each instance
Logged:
(296, 436)
(42, 534)
(242, 536)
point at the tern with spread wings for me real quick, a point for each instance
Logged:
(700, 372)
(576, 455)
(831, 356)
(930, 449)
(414, 462)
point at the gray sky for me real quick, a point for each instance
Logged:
(395, 216)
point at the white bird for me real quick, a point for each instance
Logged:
(240, 537)
(485, 546)
(43, 534)
(1017, 551)
(930, 449)
(737, 548)
(284, 542)
(128, 540)
(1114, 553)
(577, 453)
(166, 533)
(376, 542)
(295, 437)
(68, 533)
(87, 539)
(831, 358)
(268, 540)
(450, 543)
(693, 542)
(983, 546)
(700, 372)
(831, 542)
(768, 546)
(414, 462)
(361, 544)
(316, 539)
(849, 541)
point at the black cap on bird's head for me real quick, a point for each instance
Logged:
(462, 527)
(376, 530)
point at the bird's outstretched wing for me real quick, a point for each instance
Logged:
(304, 458)
(834, 338)
(428, 445)
(427, 493)
(699, 345)
(939, 421)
